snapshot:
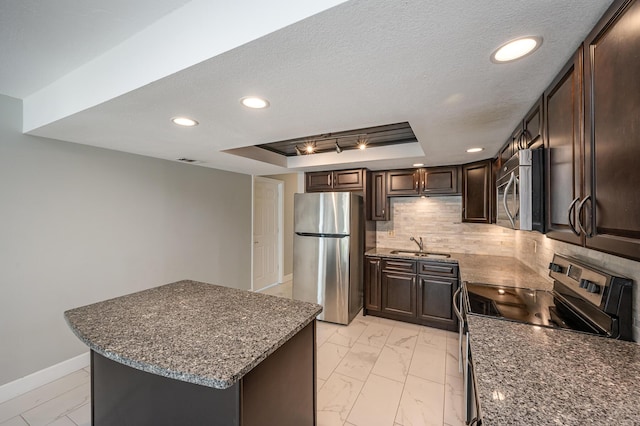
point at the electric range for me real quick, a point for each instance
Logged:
(584, 298)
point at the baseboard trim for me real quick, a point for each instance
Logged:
(32, 381)
(284, 280)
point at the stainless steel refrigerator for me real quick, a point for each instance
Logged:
(328, 246)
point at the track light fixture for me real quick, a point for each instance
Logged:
(310, 146)
(361, 143)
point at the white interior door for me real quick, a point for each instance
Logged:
(267, 241)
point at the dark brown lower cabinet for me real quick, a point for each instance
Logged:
(399, 293)
(431, 292)
(373, 281)
(420, 292)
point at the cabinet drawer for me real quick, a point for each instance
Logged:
(440, 269)
(400, 265)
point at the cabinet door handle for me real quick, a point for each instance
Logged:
(572, 225)
(580, 209)
(329, 179)
(525, 138)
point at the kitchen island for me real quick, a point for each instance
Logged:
(541, 376)
(196, 353)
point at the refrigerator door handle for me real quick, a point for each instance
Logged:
(310, 234)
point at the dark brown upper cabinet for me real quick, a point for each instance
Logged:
(379, 207)
(610, 207)
(340, 180)
(432, 181)
(440, 181)
(531, 136)
(563, 102)
(528, 133)
(403, 182)
(477, 192)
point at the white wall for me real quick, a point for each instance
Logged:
(80, 224)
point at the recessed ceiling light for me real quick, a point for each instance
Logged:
(418, 165)
(516, 49)
(184, 121)
(254, 102)
(471, 150)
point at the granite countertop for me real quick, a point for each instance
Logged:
(540, 376)
(499, 270)
(191, 331)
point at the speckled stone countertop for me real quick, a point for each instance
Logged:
(540, 376)
(478, 268)
(191, 331)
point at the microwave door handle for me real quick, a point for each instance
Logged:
(504, 200)
(516, 201)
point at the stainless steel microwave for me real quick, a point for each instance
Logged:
(520, 191)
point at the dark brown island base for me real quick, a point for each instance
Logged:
(196, 353)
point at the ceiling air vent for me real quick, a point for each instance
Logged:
(188, 160)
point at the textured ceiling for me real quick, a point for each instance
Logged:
(44, 40)
(359, 64)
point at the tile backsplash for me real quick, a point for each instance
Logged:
(438, 221)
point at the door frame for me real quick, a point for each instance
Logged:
(280, 224)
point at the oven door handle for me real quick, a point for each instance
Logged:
(512, 179)
(457, 308)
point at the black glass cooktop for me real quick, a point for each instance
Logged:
(530, 306)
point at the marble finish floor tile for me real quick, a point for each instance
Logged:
(329, 356)
(377, 403)
(349, 335)
(375, 335)
(454, 401)
(422, 403)
(15, 421)
(393, 363)
(336, 399)
(55, 410)
(27, 401)
(429, 363)
(403, 337)
(373, 372)
(359, 361)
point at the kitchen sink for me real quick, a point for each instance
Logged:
(422, 254)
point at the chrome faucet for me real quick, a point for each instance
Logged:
(420, 244)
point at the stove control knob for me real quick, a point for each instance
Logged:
(555, 267)
(584, 283)
(593, 288)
